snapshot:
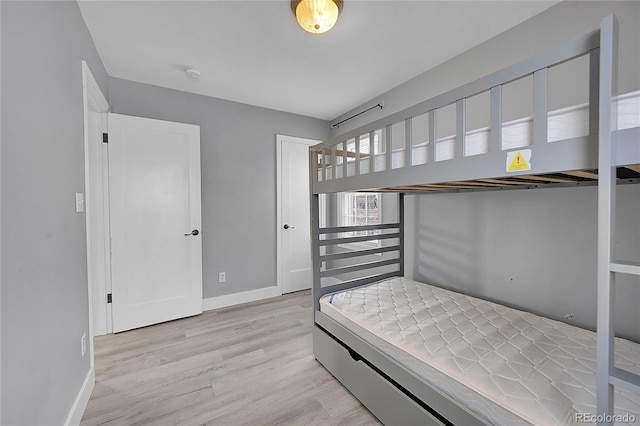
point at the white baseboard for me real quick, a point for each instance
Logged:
(80, 404)
(238, 298)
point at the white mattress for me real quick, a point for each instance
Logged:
(504, 365)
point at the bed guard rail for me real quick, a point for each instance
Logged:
(384, 153)
(338, 265)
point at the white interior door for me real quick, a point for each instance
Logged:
(154, 182)
(295, 236)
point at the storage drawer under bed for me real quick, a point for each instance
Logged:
(388, 403)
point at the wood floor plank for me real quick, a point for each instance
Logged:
(245, 365)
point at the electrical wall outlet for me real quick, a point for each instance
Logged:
(83, 343)
(222, 277)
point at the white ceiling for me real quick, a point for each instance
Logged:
(255, 53)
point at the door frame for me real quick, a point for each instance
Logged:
(280, 139)
(95, 101)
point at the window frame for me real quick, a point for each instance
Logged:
(342, 207)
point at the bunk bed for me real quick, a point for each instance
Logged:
(413, 353)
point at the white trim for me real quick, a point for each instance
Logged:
(92, 100)
(80, 404)
(96, 100)
(279, 140)
(104, 170)
(238, 298)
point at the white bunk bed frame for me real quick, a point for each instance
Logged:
(386, 388)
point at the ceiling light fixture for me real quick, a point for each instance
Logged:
(316, 16)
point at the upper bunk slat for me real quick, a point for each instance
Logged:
(495, 143)
(540, 79)
(408, 152)
(460, 128)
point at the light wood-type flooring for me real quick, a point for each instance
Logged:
(246, 365)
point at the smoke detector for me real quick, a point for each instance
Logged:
(192, 72)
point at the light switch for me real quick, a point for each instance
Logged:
(79, 202)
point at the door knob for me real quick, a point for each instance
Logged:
(194, 233)
(288, 227)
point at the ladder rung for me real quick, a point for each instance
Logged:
(625, 380)
(631, 268)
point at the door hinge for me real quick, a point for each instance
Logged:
(105, 137)
(109, 298)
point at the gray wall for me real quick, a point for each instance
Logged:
(238, 156)
(544, 239)
(44, 273)
(533, 249)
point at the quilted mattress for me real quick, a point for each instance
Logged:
(504, 365)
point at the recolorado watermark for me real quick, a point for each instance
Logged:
(605, 418)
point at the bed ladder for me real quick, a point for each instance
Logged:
(608, 375)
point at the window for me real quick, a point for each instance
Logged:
(379, 144)
(358, 209)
